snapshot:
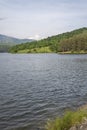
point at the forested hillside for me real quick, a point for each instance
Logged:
(67, 42)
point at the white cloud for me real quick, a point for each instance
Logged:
(36, 37)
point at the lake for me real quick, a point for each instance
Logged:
(38, 87)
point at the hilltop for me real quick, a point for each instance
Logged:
(69, 42)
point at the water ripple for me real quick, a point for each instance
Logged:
(34, 88)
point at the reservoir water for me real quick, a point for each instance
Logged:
(38, 87)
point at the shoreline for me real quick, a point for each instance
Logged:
(71, 120)
(66, 52)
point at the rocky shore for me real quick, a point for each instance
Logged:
(83, 125)
(72, 120)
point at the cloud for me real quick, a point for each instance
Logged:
(23, 18)
(36, 37)
(2, 18)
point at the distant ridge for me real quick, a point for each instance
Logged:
(7, 40)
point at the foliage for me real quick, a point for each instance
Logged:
(70, 41)
(36, 50)
(76, 43)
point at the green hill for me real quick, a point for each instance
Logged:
(69, 42)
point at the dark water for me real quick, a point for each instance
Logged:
(36, 87)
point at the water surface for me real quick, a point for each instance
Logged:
(36, 87)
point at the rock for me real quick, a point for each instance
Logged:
(73, 128)
(82, 126)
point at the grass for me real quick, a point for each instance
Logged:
(69, 119)
(48, 50)
(36, 50)
(74, 52)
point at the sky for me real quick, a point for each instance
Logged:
(37, 19)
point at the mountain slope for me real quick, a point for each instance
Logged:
(72, 41)
(11, 40)
(6, 42)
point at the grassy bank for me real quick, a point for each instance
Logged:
(36, 50)
(70, 118)
(74, 52)
(47, 50)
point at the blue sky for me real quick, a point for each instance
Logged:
(41, 18)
